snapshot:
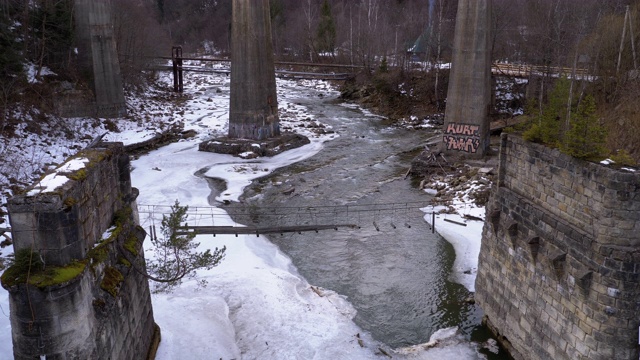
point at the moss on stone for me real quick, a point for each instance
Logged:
(54, 275)
(122, 216)
(98, 254)
(123, 261)
(111, 281)
(94, 156)
(29, 269)
(131, 245)
(78, 175)
(99, 303)
(25, 262)
(70, 201)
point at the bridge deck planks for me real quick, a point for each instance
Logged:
(238, 230)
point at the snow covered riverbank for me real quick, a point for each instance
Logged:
(255, 305)
(460, 223)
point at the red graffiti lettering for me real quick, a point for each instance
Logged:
(463, 129)
(462, 143)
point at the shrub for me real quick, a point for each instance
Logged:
(533, 134)
(384, 66)
(623, 158)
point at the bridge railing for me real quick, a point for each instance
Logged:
(525, 70)
(252, 219)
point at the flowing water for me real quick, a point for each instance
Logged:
(396, 276)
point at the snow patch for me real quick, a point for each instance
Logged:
(54, 180)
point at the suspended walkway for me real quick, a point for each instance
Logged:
(252, 220)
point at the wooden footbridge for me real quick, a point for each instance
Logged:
(526, 70)
(348, 71)
(178, 66)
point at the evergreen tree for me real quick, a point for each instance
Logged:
(52, 33)
(384, 66)
(586, 137)
(326, 34)
(548, 125)
(583, 137)
(176, 255)
(10, 58)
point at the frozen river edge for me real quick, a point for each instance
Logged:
(255, 304)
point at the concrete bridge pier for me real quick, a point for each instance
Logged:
(254, 105)
(466, 128)
(98, 56)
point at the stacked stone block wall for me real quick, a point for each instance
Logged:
(104, 312)
(559, 267)
(64, 224)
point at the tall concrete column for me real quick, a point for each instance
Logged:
(469, 97)
(253, 112)
(98, 56)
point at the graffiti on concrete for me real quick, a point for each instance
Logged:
(462, 137)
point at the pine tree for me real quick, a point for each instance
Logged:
(326, 33)
(384, 66)
(585, 138)
(176, 257)
(547, 128)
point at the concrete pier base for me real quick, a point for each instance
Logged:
(466, 128)
(254, 105)
(98, 56)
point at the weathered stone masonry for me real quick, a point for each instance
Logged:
(103, 312)
(559, 267)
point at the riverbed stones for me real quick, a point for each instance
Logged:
(248, 149)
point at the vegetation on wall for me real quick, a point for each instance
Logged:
(568, 124)
(547, 123)
(586, 137)
(28, 268)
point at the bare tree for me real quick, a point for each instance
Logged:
(310, 15)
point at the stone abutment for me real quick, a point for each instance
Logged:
(559, 267)
(72, 293)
